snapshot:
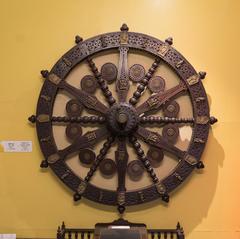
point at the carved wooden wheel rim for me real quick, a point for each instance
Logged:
(122, 119)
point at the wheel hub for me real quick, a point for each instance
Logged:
(122, 119)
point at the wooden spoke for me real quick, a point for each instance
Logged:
(101, 82)
(87, 140)
(140, 153)
(158, 141)
(89, 101)
(121, 157)
(122, 84)
(164, 120)
(99, 158)
(143, 84)
(154, 102)
(79, 119)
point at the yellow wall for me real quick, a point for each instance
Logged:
(34, 34)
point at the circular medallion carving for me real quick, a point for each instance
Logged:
(156, 84)
(73, 131)
(109, 72)
(108, 168)
(136, 73)
(89, 84)
(87, 157)
(155, 156)
(135, 170)
(170, 133)
(171, 109)
(74, 108)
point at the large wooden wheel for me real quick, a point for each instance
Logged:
(143, 100)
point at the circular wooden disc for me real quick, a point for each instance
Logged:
(156, 84)
(73, 130)
(135, 170)
(86, 157)
(171, 109)
(155, 156)
(108, 168)
(109, 72)
(74, 108)
(89, 84)
(170, 133)
(136, 72)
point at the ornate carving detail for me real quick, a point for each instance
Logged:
(91, 101)
(46, 97)
(124, 38)
(123, 84)
(66, 61)
(192, 80)
(152, 102)
(53, 158)
(121, 155)
(46, 139)
(43, 118)
(163, 49)
(65, 174)
(141, 196)
(91, 136)
(179, 63)
(54, 79)
(152, 137)
(199, 99)
(190, 159)
(103, 41)
(121, 198)
(123, 81)
(81, 187)
(202, 119)
(178, 176)
(160, 188)
(198, 140)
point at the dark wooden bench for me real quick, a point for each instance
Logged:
(83, 233)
